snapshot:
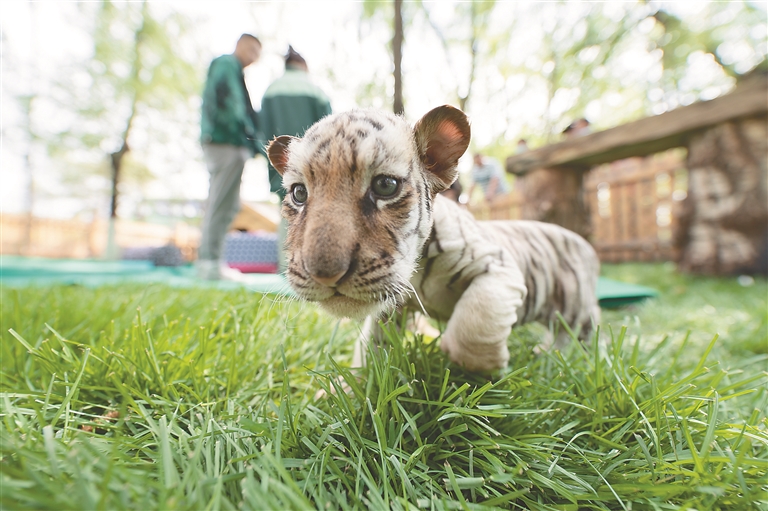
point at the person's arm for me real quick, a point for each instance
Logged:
(268, 122)
(324, 108)
(257, 144)
(245, 115)
(229, 103)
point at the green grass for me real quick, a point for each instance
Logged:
(136, 397)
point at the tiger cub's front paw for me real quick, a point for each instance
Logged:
(476, 356)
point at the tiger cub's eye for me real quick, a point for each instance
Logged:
(299, 194)
(385, 186)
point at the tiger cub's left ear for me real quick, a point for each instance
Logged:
(278, 152)
(442, 136)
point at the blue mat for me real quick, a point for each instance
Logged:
(613, 294)
(18, 271)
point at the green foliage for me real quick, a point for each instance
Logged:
(727, 24)
(577, 50)
(136, 58)
(136, 76)
(583, 56)
(155, 398)
(470, 27)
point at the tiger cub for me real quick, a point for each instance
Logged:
(367, 232)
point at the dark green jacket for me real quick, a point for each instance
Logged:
(227, 114)
(291, 104)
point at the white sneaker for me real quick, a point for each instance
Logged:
(233, 274)
(207, 269)
(217, 270)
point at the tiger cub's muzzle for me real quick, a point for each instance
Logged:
(329, 259)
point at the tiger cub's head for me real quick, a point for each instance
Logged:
(360, 187)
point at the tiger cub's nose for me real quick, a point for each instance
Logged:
(327, 255)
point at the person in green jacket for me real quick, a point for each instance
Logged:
(290, 105)
(229, 137)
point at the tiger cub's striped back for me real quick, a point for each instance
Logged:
(367, 233)
(560, 270)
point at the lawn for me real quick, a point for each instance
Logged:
(150, 397)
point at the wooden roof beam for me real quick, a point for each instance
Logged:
(649, 135)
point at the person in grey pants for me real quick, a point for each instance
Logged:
(228, 137)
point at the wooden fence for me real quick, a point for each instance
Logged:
(633, 204)
(43, 237)
(508, 207)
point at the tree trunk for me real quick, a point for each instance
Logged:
(27, 105)
(116, 161)
(463, 100)
(26, 243)
(397, 52)
(116, 158)
(725, 215)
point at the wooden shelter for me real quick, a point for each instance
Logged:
(723, 225)
(256, 217)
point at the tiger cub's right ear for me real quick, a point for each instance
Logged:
(277, 150)
(442, 136)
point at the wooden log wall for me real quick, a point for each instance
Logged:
(725, 216)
